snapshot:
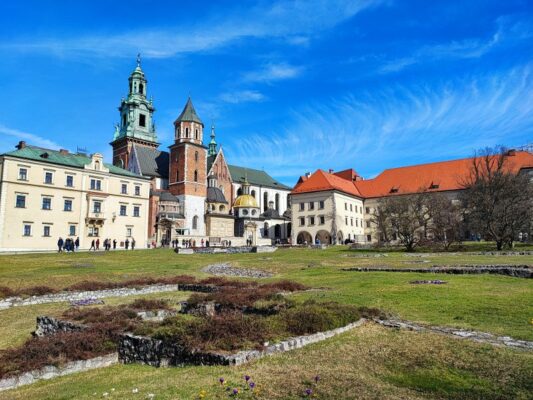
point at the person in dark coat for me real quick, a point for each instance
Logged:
(98, 244)
(60, 245)
(77, 243)
(114, 244)
(93, 246)
(127, 244)
(133, 243)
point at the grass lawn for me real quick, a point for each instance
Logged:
(370, 362)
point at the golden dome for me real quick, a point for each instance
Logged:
(245, 200)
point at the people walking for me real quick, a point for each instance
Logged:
(114, 244)
(77, 243)
(98, 244)
(93, 246)
(60, 245)
(133, 243)
(127, 244)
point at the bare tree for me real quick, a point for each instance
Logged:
(498, 201)
(403, 217)
(446, 224)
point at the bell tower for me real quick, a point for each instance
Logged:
(136, 119)
(188, 167)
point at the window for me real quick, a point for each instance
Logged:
(321, 205)
(123, 210)
(351, 208)
(345, 206)
(137, 190)
(311, 205)
(48, 177)
(195, 222)
(27, 230)
(47, 203)
(142, 120)
(357, 223)
(124, 120)
(72, 230)
(23, 174)
(128, 232)
(196, 153)
(68, 205)
(93, 231)
(253, 194)
(21, 201)
(346, 220)
(196, 176)
(302, 206)
(302, 221)
(368, 224)
(96, 184)
(368, 210)
(70, 181)
(265, 201)
(97, 207)
(141, 88)
(196, 134)
(276, 198)
(46, 230)
(351, 221)
(187, 132)
(368, 238)
(322, 220)
(311, 220)
(124, 188)
(136, 211)
(265, 229)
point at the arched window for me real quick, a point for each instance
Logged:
(239, 191)
(265, 201)
(277, 201)
(221, 187)
(97, 165)
(195, 222)
(141, 88)
(253, 194)
(196, 134)
(221, 208)
(177, 176)
(277, 231)
(288, 201)
(186, 133)
(195, 156)
(265, 230)
(196, 175)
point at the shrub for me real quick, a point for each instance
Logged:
(36, 290)
(86, 286)
(285, 286)
(56, 349)
(7, 292)
(149, 305)
(311, 317)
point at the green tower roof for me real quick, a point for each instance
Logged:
(189, 114)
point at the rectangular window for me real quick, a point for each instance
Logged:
(128, 232)
(351, 221)
(123, 210)
(367, 210)
(322, 220)
(97, 207)
(302, 206)
(70, 181)
(68, 205)
(346, 220)
(124, 188)
(368, 238)
(311, 205)
(137, 190)
(93, 231)
(48, 177)
(47, 203)
(27, 230)
(351, 209)
(142, 120)
(346, 206)
(23, 174)
(21, 201)
(357, 223)
(368, 224)
(46, 230)
(302, 221)
(311, 220)
(321, 204)
(96, 184)
(136, 211)
(72, 230)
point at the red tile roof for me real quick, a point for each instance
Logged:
(438, 176)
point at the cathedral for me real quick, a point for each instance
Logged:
(195, 194)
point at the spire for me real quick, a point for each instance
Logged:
(212, 144)
(245, 184)
(189, 114)
(139, 60)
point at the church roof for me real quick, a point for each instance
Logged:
(189, 114)
(255, 177)
(75, 160)
(167, 196)
(152, 162)
(323, 181)
(245, 201)
(215, 195)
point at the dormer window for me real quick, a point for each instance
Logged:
(44, 155)
(434, 185)
(394, 189)
(142, 120)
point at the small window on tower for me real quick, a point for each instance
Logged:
(141, 88)
(187, 133)
(142, 120)
(124, 120)
(196, 134)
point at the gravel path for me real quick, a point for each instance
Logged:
(226, 269)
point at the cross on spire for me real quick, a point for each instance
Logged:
(138, 59)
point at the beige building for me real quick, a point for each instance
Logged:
(47, 194)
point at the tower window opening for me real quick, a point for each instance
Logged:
(142, 120)
(195, 156)
(186, 133)
(141, 88)
(196, 175)
(124, 120)
(196, 134)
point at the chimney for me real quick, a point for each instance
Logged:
(307, 174)
(330, 171)
(21, 145)
(511, 152)
(63, 151)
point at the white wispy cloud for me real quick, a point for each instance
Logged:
(273, 72)
(397, 125)
(242, 96)
(292, 20)
(508, 31)
(10, 138)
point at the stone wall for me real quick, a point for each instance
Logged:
(51, 371)
(49, 326)
(154, 352)
(519, 271)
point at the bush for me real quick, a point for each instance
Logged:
(36, 290)
(89, 286)
(7, 292)
(150, 305)
(285, 286)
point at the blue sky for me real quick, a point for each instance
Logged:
(292, 86)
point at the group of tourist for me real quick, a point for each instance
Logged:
(68, 245)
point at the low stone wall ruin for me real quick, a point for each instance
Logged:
(518, 271)
(154, 352)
